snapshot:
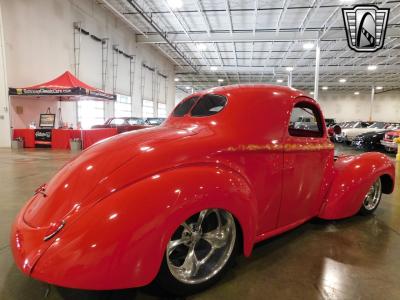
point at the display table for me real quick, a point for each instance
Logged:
(27, 134)
(60, 137)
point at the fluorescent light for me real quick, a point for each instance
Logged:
(279, 80)
(311, 93)
(379, 87)
(289, 69)
(308, 46)
(213, 68)
(175, 3)
(342, 80)
(201, 47)
(176, 79)
(356, 93)
(220, 80)
(188, 87)
(372, 67)
(324, 88)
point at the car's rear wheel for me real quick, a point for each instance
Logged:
(372, 199)
(199, 252)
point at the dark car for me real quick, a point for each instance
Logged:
(154, 121)
(330, 122)
(124, 124)
(370, 141)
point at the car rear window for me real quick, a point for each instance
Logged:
(209, 105)
(184, 107)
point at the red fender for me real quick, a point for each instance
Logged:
(352, 177)
(136, 224)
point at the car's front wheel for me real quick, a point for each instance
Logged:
(199, 252)
(372, 199)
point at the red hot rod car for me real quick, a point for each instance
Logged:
(174, 204)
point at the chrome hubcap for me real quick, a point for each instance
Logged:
(373, 196)
(201, 246)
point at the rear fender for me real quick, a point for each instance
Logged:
(352, 177)
(121, 241)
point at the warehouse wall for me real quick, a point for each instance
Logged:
(39, 46)
(346, 106)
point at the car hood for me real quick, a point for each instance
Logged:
(98, 171)
(372, 133)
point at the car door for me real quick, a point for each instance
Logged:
(307, 157)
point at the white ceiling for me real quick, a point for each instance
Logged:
(255, 40)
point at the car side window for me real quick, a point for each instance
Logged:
(305, 121)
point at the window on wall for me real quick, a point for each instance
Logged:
(123, 106)
(148, 109)
(90, 113)
(162, 110)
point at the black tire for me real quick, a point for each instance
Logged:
(171, 286)
(372, 199)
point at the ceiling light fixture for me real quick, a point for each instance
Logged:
(379, 87)
(188, 87)
(220, 80)
(356, 93)
(342, 80)
(176, 79)
(174, 4)
(372, 67)
(324, 88)
(289, 69)
(279, 80)
(213, 68)
(311, 93)
(308, 46)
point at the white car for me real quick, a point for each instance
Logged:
(348, 126)
(351, 133)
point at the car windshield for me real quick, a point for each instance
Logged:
(377, 125)
(184, 107)
(117, 121)
(154, 121)
(136, 121)
(209, 105)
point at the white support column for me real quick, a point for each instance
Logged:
(372, 102)
(5, 124)
(289, 81)
(316, 75)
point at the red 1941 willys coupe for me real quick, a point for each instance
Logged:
(174, 204)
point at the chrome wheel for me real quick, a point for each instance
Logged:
(373, 196)
(201, 246)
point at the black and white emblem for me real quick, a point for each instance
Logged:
(365, 27)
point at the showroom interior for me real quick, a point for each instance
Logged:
(115, 177)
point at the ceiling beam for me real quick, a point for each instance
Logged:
(301, 69)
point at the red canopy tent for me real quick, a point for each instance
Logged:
(67, 86)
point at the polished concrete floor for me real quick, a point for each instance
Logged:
(356, 258)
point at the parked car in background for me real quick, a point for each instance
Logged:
(347, 126)
(370, 141)
(353, 132)
(123, 124)
(154, 121)
(388, 142)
